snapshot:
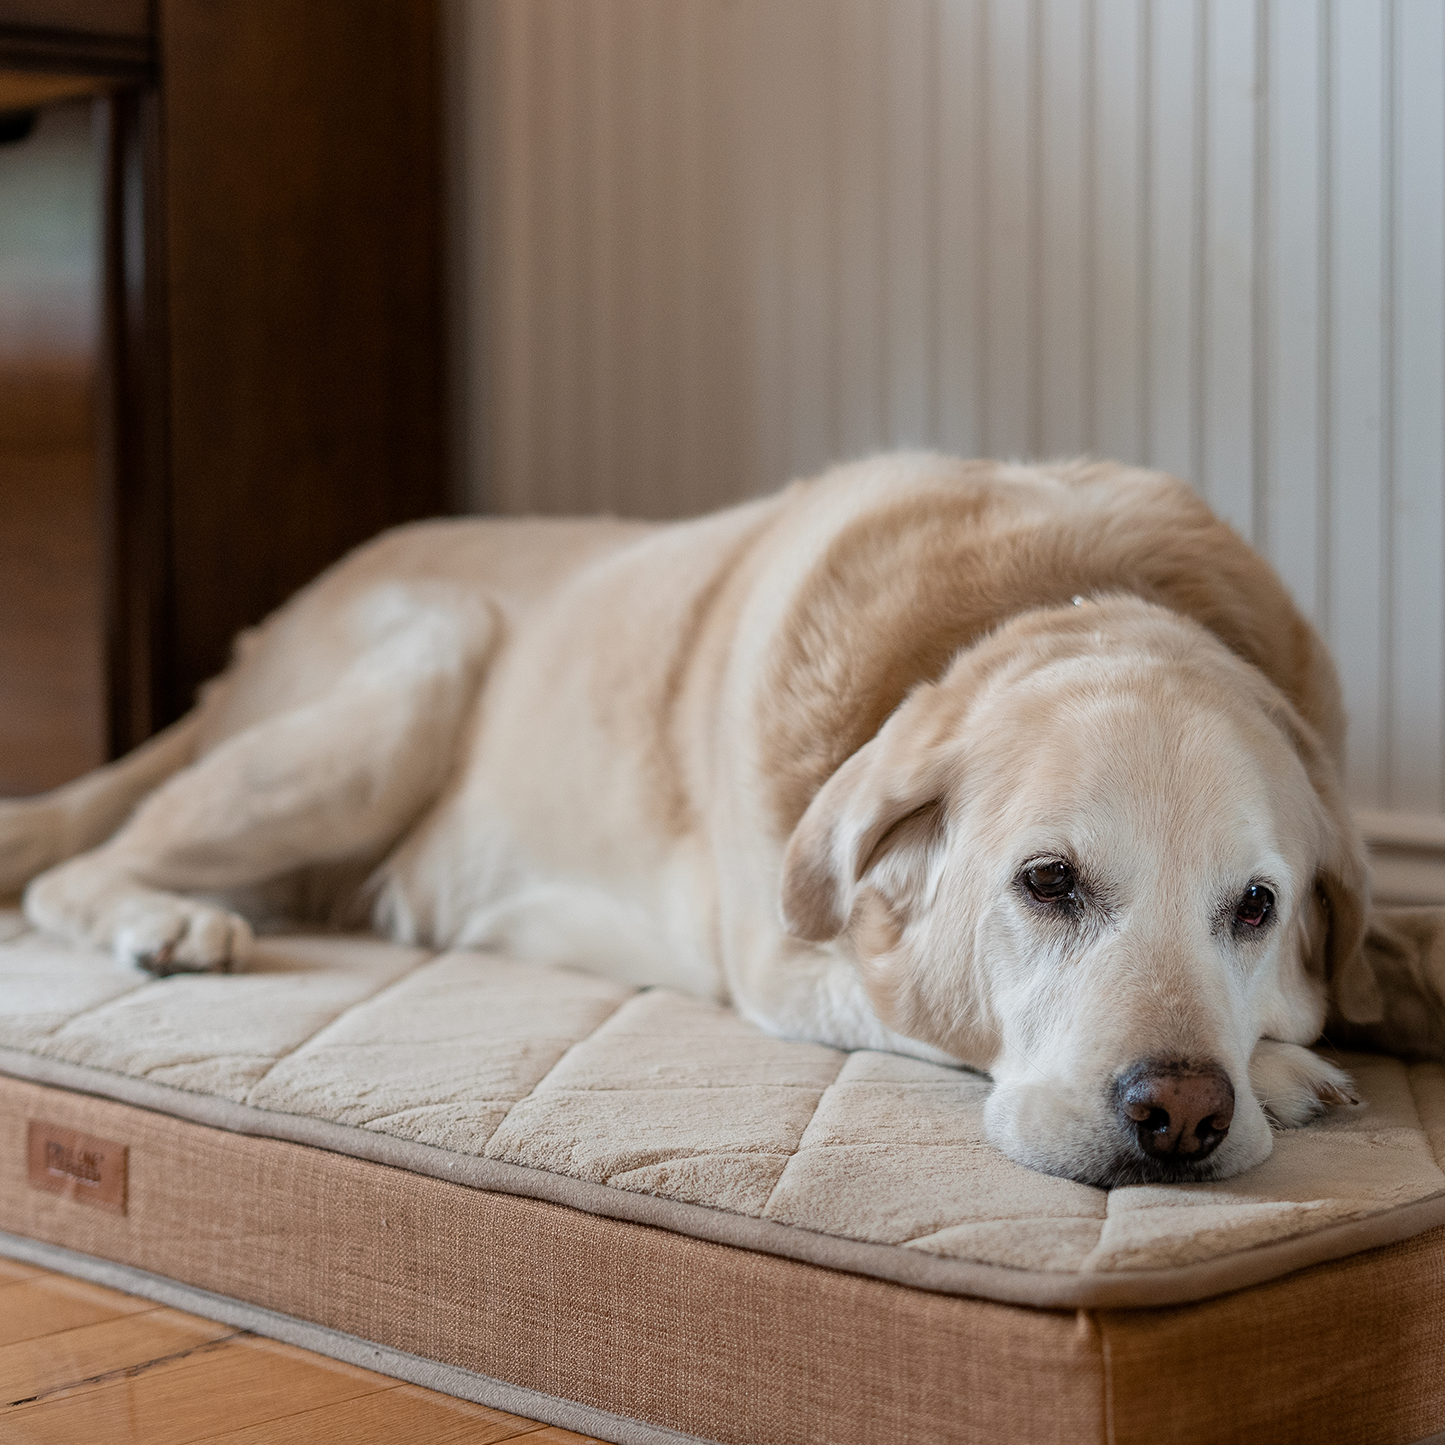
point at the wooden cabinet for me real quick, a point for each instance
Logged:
(270, 387)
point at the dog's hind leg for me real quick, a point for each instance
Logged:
(339, 777)
(37, 833)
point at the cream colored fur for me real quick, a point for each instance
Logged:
(795, 755)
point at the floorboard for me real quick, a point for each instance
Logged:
(80, 1362)
(33, 1308)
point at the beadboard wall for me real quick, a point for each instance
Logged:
(706, 245)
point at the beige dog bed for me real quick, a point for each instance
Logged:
(633, 1214)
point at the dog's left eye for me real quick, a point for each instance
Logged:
(1050, 882)
(1254, 908)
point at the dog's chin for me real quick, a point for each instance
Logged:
(1133, 1166)
(1117, 1167)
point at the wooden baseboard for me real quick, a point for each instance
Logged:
(1407, 855)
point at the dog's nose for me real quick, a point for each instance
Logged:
(1178, 1110)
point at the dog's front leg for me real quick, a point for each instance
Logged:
(336, 779)
(802, 991)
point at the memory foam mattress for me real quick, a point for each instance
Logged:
(631, 1213)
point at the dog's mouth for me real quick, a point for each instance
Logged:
(1114, 1166)
(1135, 1167)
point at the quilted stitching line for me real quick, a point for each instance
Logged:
(798, 1147)
(561, 1059)
(85, 1012)
(29, 933)
(147, 985)
(376, 993)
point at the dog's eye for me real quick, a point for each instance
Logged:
(1050, 882)
(1255, 906)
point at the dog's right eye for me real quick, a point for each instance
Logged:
(1050, 882)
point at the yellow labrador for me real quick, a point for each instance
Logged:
(1035, 769)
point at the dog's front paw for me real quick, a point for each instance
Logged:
(1293, 1084)
(164, 935)
(92, 900)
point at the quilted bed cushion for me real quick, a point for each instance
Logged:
(653, 1106)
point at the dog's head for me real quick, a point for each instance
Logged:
(1101, 858)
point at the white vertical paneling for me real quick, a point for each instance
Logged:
(910, 109)
(562, 249)
(1294, 355)
(805, 202)
(644, 126)
(860, 281)
(710, 360)
(1175, 138)
(689, 81)
(1061, 242)
(767, 283)
(1119, 198)
(501, 168)
(1226, 462)
(1356, 619)
(714, 243)
(961, 74)
(590, 205)
(1416, 577)
(1008, 217)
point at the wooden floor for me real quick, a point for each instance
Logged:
(78, 1362)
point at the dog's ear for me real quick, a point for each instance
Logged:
(1406, 952)
(1342, 895)
(881, 814)
(1337, 916)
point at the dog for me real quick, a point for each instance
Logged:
(1033, 770)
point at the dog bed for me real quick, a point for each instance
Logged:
(630, 1213)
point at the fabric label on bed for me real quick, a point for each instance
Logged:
(83, 1167)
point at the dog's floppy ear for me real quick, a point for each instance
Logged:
(1343, 895)
(1338, 914)
(1406, 951)
(900, 775)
